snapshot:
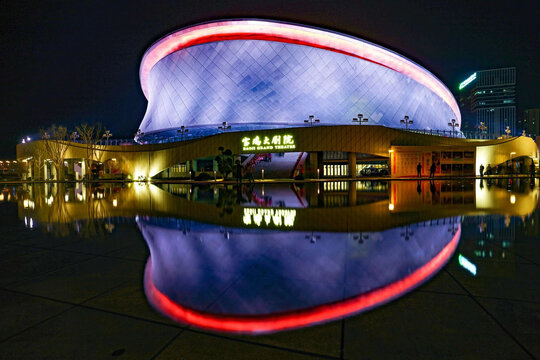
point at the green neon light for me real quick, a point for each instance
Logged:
(466, 264)
(469, 80)
(272, 142)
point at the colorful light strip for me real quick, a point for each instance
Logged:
(300, 318)
(469, 80)
(290, 33)
(466, 264)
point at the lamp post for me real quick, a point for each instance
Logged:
(182, 131)
(482, 127)
(107, 135)
(138, 135)
(360, 119)
(406, 121)
(74, 136)
(453, 124)
(311, 120)
(224, 126)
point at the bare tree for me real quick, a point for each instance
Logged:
(37, 161)
(90, 136)
(55, 145)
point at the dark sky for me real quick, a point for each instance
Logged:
(69, 62)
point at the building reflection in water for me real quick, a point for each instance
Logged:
(257, 281)
(264, 258)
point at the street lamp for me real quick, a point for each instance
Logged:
(224, 126)
(74, 136)
(182, 131)
(360, 119)
(406, 121)
(107, 135)
(138, 135)
(508, 131)
(311, 120)
(453, 124)
(482, 127)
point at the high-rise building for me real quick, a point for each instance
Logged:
(491, 101)
(531, 122)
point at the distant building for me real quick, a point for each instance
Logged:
(491, 100)
(9, 169)
(531, 122)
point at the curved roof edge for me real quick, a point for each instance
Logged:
(271, 30)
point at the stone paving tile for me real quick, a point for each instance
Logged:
(322, 339)
(507, 280)
(19, 311)
(521, 319)
(138, 250)
(428, 326)
(443, 282)
(22, 268)
(128, 299)
(88, 334)
(82, 281)
(193, 345)
(37, 239)
(8, 252)
(529, 251)
(103, 244)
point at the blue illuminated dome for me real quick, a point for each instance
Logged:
(257, 74)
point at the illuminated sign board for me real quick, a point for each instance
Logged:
(265, 143)
(469, 80)
(269, 217)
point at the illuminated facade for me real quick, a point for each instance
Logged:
(256, 74)
(254, 85)
(489, 97)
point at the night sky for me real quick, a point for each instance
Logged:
(69, 62)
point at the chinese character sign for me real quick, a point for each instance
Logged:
(272, 142)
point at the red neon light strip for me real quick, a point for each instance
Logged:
(267, 37)
(278, 322)
(293, 34)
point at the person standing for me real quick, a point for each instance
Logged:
(481, 170)
(419, 170)
(249, 174)
(432, 170)
(238, 171)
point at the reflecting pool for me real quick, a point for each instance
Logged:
(262, 258)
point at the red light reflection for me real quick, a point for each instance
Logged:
(299, 318)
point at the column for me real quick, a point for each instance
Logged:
(312, 165)
(352, 193)
(351, 158)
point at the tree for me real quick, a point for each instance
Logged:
(56, 144)
(225, 162)
(90, 136)
(37, 162)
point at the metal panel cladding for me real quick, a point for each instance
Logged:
(258, 74)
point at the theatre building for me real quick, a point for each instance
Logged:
(291, 101)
